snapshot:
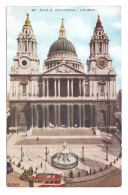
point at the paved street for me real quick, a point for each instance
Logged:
(111, 180)
(14, 181)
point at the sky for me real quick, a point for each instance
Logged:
(79, 23)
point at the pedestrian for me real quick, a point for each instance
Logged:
(71, 174)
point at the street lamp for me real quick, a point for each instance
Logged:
(106, 153)
(82, 153)
(46, 153)
(21, 154)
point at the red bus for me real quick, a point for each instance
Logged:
(48, 180)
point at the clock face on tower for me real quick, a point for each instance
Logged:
(24, 62)
(101, 63)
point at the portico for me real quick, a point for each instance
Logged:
(62, 87)
(61, 115)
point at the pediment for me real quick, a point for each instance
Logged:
(63, 69)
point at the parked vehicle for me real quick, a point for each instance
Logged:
(9, 167)
(26, 176)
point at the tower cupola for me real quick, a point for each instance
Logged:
(99, 41)
(26, 59)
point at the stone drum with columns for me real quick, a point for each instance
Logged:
(63, 95)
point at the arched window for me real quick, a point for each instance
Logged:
(100, 47)
(86, 89)
(102, 88)
(94, 47)
(32, 46)
(24, 87)
(25, 46)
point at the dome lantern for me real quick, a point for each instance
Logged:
(62, 30)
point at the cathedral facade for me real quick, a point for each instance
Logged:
(63, 95)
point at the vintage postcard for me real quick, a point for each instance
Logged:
(64, 96)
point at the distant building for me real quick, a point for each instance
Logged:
(8, 100)
(63, 95)
(120, 101)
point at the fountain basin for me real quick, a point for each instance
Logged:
(70, 162)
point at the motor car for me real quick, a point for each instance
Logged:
(9, 167)
(26, 176)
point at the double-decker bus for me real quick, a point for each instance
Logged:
(48, 180)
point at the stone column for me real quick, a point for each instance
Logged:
(36, 116)
(68, 87)
(31, 88)
(11, 89)
(47, 116)
(55, 87)
(59, 87)
(34, 47)
(14, 88)
(59, 116)
(114, 88)
(82, 87)
(55, 116)
(71, 115)
(90, 86)
(27, 47)
(72, 87)
(79, 115)
(43, 115)
(83, 106)
(106, 47)
(91, 114)
(79, 87)
(101, 44)
(47, 87)
(32, 116)
(43, 88)
(68, 116)
(92, 51)
(15, 116)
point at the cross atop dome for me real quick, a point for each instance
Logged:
(27, 22)
(62, 25)
(62, 30)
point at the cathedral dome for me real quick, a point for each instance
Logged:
(62, 44)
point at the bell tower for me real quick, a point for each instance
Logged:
(26, 60)
(99, 60)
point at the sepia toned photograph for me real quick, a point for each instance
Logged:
(64, 96)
